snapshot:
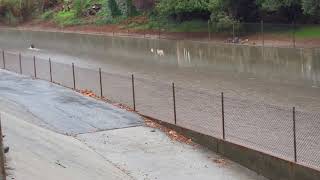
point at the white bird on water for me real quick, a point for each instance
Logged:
(159, 52)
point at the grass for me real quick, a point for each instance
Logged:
(186, 26)
(66, 18)
(72, 17)
(189, 26)
(301, 31)
(308, 32)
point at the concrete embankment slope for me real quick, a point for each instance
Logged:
(40, 154)
(56, 133)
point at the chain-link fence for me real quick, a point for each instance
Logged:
(279, 131)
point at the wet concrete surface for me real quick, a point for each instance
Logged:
(62, 109)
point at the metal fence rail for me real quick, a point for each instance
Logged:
(282, 132)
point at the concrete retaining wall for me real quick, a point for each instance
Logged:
(267, 165)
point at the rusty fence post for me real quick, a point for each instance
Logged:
(294, 134)
(133, 93)
(222, 111)
(34, 67)
(4, 60)
(20, 63)
(74, 77)
(174, 104)
(100, 78)
(50, 70)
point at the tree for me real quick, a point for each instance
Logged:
(311, 7)
(113, 6)
(290, 9)
(244, 10)
(80, 7)
(180, 9)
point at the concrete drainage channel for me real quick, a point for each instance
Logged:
(56, 133)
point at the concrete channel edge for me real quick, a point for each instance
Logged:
(264, 164)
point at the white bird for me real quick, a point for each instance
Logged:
(160, 52)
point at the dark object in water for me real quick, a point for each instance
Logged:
(6, 149)
(32, 46)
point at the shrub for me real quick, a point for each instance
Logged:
(113, 6)
(222, 22)
(67, 18)
(180, 8)
(47, 15)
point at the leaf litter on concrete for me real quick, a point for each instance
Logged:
(173, 135)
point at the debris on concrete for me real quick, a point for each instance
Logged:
(220, 161)
(173, 135)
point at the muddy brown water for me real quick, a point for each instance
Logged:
(261, 85)
(283, 76)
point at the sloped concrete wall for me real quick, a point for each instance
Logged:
(267, 165)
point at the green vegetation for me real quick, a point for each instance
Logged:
(171, 15)
(67, 18)
(308, 32)
(47, 15)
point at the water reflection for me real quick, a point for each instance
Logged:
(288, 65)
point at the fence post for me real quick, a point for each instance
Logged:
(100, 77)
(34, 67)
(262, 32)
(74, 77)
(4, 60)
(20, 63)
(133, 93)
(3, 172)
(209, 30)
(294, 34)
(233, 32)
(294, 134)
(50, 69)
(222, 111)
(159, 31)
(174, 104)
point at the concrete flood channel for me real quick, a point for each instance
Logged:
(283, 77)
(56, 133)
